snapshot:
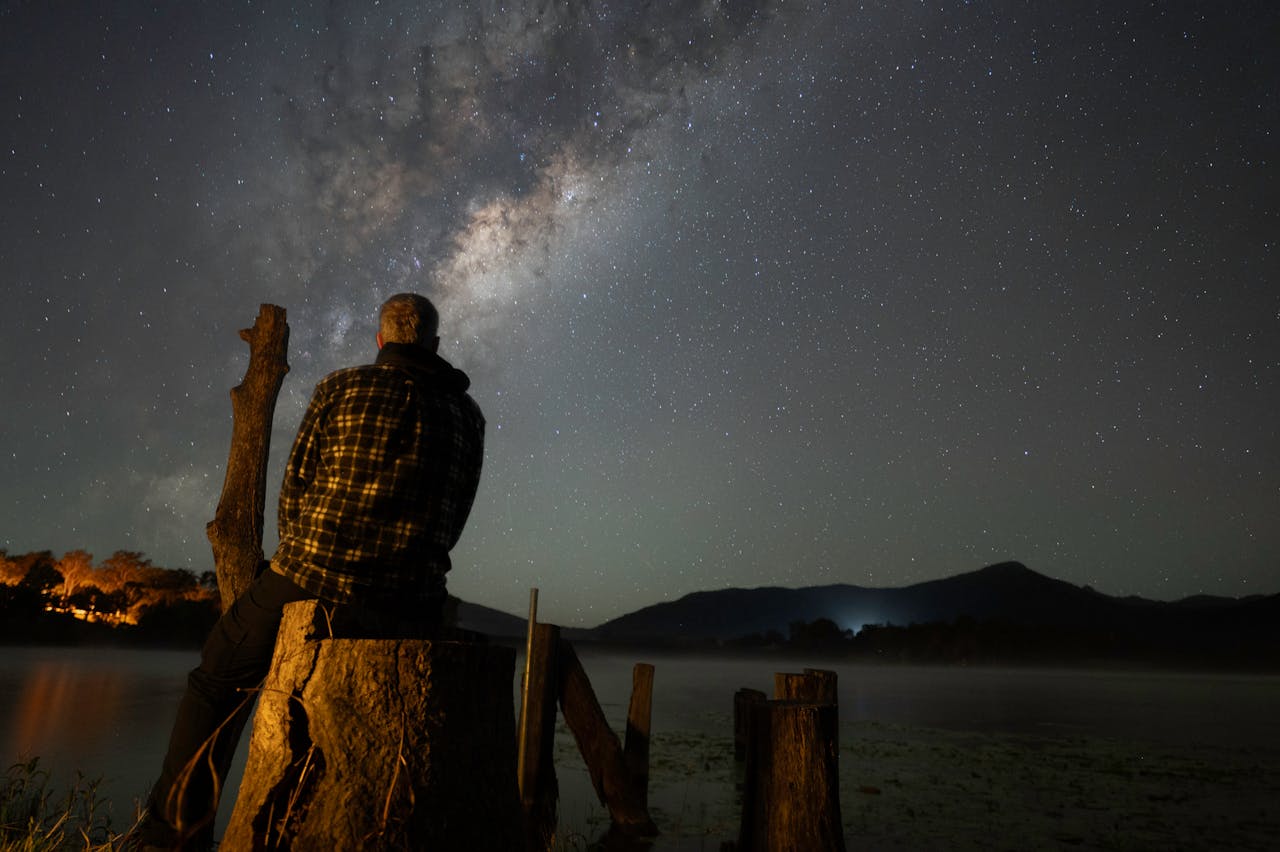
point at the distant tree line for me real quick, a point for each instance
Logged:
(997, 641)
(44, 599)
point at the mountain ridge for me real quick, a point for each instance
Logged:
(1006, 593)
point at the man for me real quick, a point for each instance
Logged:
(376, 492)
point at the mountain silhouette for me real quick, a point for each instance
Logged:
(1008, 591)
(1011, 611)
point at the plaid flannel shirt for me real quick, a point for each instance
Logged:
(381, 479)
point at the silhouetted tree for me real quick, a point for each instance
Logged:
(86, 597)
(817, 635)
(41, 575)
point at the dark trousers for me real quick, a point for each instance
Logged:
(213, 710)
(220, 693)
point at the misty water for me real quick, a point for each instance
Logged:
(106, 712)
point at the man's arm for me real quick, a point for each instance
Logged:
(300, 469)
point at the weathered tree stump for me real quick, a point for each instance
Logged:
(380, 744)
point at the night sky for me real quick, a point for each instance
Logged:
(794, 294)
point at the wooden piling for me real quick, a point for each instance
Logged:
(791, 788)
(814, 685)
(635, 749)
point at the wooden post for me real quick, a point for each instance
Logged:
(380, 744)
(523, 719)
(791, 792)
(537, 773)
(235, 533)
(821, 686)
(815, 685)
(600, 748)
(635, 747)
(787, 685)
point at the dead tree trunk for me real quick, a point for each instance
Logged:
(380, 744)
(235, 533)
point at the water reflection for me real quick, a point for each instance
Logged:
(101, 712)
(60, 706)
(107, 713)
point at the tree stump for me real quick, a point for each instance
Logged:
(380, 744)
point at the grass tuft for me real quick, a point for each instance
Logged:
(34, 817)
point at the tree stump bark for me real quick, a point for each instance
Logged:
(235, 533)
(380, 744)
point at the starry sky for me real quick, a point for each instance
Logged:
(776, 293)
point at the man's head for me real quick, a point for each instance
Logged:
(409, 318)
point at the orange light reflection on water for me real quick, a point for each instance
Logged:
(63, 707)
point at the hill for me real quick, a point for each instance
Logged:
(1008, 590)
(1069, 621)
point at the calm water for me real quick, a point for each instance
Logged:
(107, 712)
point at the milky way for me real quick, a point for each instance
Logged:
(751, 293)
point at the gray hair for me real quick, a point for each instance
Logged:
(408, 318)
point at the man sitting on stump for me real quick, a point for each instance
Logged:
(376, 492)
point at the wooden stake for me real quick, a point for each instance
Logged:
(538, 786)
(636, 745)
(522, 735)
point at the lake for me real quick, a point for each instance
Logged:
(107, 712)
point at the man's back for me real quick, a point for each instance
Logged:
(381, 478)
